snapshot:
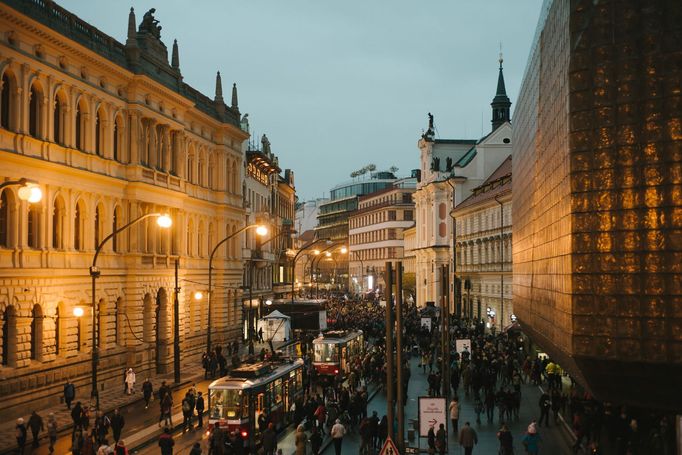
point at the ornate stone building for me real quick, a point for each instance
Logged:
(483, 250)
(598, 197)
(110, 132)
(449, 170)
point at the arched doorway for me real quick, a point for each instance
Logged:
(162, 329)
(37, 333)
(9, 335)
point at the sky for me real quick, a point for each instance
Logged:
(337, 85)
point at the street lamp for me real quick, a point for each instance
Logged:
(298, 253)
(29, 191)
(164, 221)
(198, 295)
(261, 230)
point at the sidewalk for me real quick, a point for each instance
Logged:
(138, 419)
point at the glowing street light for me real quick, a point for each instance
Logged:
(198, 295)
(78, 311)
(29, 191)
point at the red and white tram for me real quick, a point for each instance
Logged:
(335, 352)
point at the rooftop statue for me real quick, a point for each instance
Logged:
(150, 25)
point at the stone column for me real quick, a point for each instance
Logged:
(133, 138)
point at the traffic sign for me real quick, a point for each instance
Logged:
(432, 412)
(389, 448)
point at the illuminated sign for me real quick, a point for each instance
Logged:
(257, 174)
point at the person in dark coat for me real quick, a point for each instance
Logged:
(147, 392)
(270, 440)
(69, 393)
(76, 414)
(166, 442)
(35, 423)
(316, 441)
(20, 431)
(117, 424)
(217, 442)
(196, 449)
(200, 406)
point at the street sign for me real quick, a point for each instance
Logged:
(432, 412)
(389, 448)
(463, 345)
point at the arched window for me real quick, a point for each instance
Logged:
(190, 168)
(58, 223)
(200, 171)
(59, 118)
(33, 233)
(34, 111)
(6, 110)
(37, 333)
(9, 336)
(78, 219)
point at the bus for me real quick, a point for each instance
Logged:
(236, 401)
(335, 352)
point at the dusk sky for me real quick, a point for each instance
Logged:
(336, 85)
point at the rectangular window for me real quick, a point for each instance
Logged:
(391, 215)
(407, 215)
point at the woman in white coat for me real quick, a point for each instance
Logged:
(130, 380)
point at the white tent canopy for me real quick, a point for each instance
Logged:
(276, 326)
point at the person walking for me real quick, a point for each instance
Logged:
(186, 413)
(301, 440)
(315, 441)
(20, 434)
(52, 430)
(337, 434)
(120, 448)
(468, 438)
(166, 442)
(147, 392)
(217, 440)
(441, 443)
(545, 403)
(130, 381)
(200, 406)
(117, 424)
(531, 441)
(454, 415)
(269, 440)
(506, 440)
(35, 423)
(77, 442)
(69, 393)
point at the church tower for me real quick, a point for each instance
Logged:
(501, 103)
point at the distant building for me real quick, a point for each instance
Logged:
(306, 214)
(449, 170)
(483, 249)
(376, 233)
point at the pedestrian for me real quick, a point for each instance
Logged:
(130, 381)
(200, 406)
(260, 334)
(545, 403)
(506, 440)
(104, 448)
(531, 441)
(269, 439)
(217, 441)
(147, 392)
(186, 413)
(441, 443)
(35, 423)
(454, 415)
(117, 424)
(166, 442)
(196, 449)
(301, 439)
(315, 441)
(20, 433)
(101, 427)
(431, 440)
(166, 407)
(468, 438)
(69, 393)
(337, 434)
(120, 448)
(52, 430)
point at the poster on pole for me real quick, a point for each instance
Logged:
(432, 412)
(426, 322)
(462, 345)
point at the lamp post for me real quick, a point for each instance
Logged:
(164, 221)
(29, 191)
(260, 230)
(312, 267)
(293, 262)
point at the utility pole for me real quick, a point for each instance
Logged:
(445, 331)
(176, 326)
(399, 354)
(389, 350)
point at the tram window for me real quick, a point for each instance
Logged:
(245, 406)
(225, 404)
(268, 397)
(278, 391)
(326, 353)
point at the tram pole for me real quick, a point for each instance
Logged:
(389, 349)
(399, 355)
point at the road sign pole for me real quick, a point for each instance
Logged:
(389, 348)
(399, 354)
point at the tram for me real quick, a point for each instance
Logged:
(236, 401)
(335, 352)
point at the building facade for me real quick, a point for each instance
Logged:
(306, 214)
(110, 132)
(597, 198)
(376, 234)
(449, 170)
(483, 249)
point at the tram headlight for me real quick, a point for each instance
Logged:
(244, 434)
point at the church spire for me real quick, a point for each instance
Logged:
(132, 51)
(218, 89)
(132, 34)
(235, 101)
(501, 103)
